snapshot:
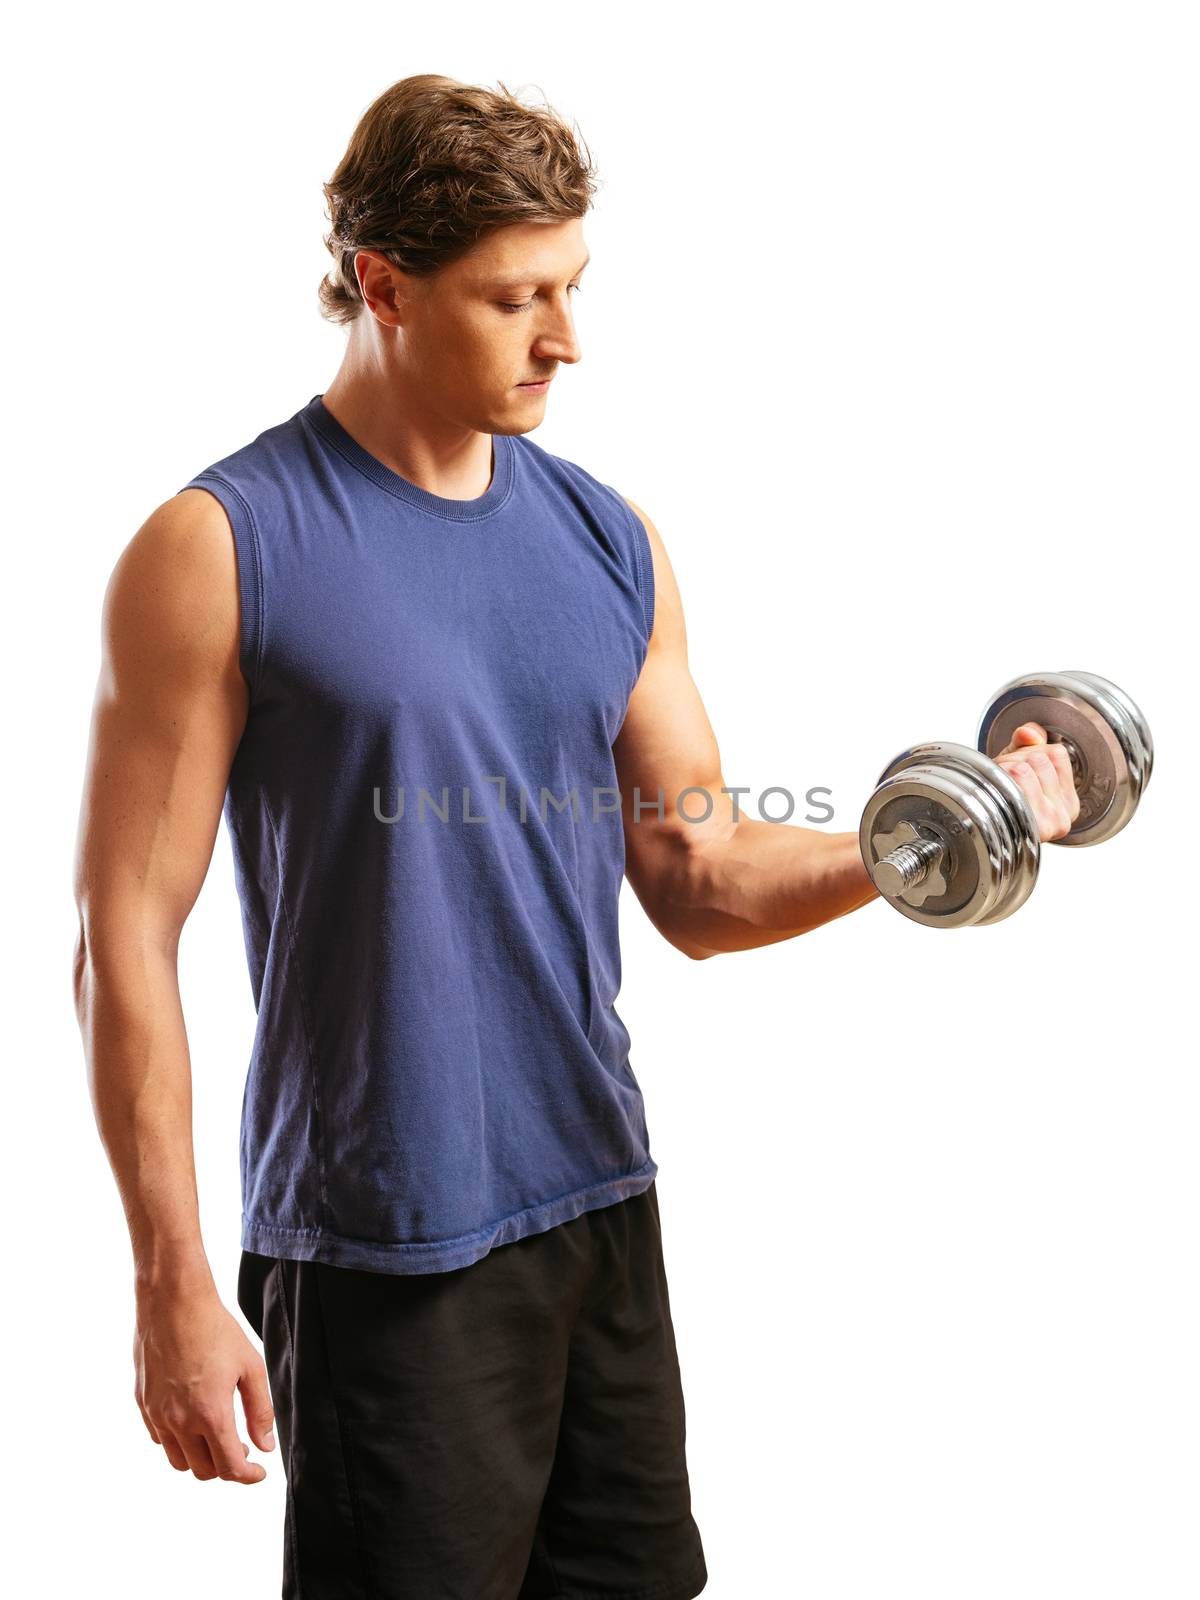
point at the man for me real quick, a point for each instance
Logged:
(438, 678)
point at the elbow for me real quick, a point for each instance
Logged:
(677, 936)
(695, 952)
(675, 929)
(79, 969)
(680, 931)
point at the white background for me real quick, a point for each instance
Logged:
(892, 328)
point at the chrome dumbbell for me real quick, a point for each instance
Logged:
(948, 836)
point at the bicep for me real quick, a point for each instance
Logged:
(169, 710)
(666, 742)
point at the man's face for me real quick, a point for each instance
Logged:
(497, 319)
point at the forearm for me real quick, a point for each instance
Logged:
(131, 1019)
(756, 883)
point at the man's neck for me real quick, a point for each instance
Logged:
(442, 458)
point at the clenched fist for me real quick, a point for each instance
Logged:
(1043, 773)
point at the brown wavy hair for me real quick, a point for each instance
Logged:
(433, 166)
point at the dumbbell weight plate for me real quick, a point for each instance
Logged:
(951, 793)
(1140, 726)
(1023, 835)
(1021, 853)
(1107, 729)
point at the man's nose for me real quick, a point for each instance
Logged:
(558, 342)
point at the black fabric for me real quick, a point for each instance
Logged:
(510, 1430)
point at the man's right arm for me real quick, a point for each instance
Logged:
(169, 711)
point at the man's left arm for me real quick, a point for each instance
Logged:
(731, 882)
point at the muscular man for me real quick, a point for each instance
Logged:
(438, 679)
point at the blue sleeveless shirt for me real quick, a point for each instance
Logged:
(428, 848)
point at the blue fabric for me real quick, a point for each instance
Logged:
(438, 1065)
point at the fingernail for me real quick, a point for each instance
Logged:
(269, 1439)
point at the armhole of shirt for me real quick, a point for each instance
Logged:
(249, 567)
(643, 559)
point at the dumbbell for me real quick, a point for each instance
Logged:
(948, 836)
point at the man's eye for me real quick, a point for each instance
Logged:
(527, 305)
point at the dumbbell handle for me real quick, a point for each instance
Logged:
(908, 863)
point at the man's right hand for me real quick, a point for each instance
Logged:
(189, 1355)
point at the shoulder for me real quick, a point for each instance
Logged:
(652, 532)
(252, 481)
(183, 544)
(629, 514)
(569, 473)
(669, 628)
(663, 574)
(171, 602)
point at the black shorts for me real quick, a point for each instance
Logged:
(512, 1430)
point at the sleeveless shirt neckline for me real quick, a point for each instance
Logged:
(318, 416)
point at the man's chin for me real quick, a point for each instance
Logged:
(514, 428)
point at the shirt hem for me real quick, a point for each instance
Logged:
(439, 1255)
